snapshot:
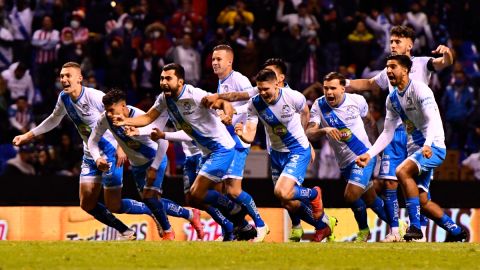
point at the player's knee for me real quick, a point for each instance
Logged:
(350, 196)
(234, 191)
(113, 207)
(282, 193)
(87, 205)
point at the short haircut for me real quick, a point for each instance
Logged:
(402, 59)
(266, 75)
(179, 71)
(113, 96)
(277, 62)
(21, 98)
(335, 76)
(71, 65)
(224, 47)
(403, 31)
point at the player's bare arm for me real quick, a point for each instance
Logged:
(139, 121)
(246, 133)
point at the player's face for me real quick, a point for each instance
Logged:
(117, 109)
(334, 92)
(278, 73)
(71, 79)
(169, 83)
(400, 45)
(222, 62)
(268, 90)
(395, 72)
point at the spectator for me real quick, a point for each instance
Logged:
(472, 163)
(233, 14)
(6, 41)
(45, 41)
(360, 46)
(68, 51)
(117, 66)
(21, 18)
(68, 156)
(187, 21)
(307, 22)
(21, 164)
(189, 58)
(44, 164)
(156, 35)
(130, 38)
(80, 33)
(19, 82)
(20, 117)
(458, 103)
(145, 75)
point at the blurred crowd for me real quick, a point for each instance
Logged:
(125, 43)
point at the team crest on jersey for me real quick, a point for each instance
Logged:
(85, 110)
(286, 109)
(133, 144)
(224, 88)
(346, 134)
(280, 130)
(409, 126)
(84, 129)
(409, 101)
(187, 106)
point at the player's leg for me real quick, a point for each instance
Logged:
(454, 232)
(234, 186)
(89, 191)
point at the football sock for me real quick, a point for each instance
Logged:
(413, 209)
(173, 209)
(130, 206)
(247, 201)
(158, 211)
(101, 213)
(359, 209)
(391, 207)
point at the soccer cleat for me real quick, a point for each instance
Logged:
(128, 235)
(461, 237)
(261, 233)
(197, 224)
(413, 233)
(296, 234)
(246, 233)
(332, 222)
(317, 204)
(227, 237)
(392, 237)
(402, 228)
(362, 235)
(322, 234)
(168, 235)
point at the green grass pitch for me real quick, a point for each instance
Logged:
(237, 255)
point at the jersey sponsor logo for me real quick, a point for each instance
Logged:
(84, 129)
(133, 145)
(409, 126)
(186, 127)
(85, 110)
(280, 130)
(346, 134)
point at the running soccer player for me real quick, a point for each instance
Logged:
(338, 115)
(182, 102)
(401, 42)
(84, 106)
(413, 103)
(282, 111)
(147, 158)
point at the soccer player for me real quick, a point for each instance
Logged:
(338, 115)
(233, 81)
(282, 111)
(84, 106)
(413, 103)
(280, 68)
(182, 102)
(147, 158)
(401, 42)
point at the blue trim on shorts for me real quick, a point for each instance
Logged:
(291, 164)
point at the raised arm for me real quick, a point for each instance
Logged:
(139, 121)
(445, 60)
(362, 85)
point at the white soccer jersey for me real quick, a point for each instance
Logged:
(139, 149)
(281, 120)
(236, 82)
(418, 72)
(190, 149)
(347, 117)
(84, 112)
(200, 123)
(418, 110)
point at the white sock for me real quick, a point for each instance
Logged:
(424, 230)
